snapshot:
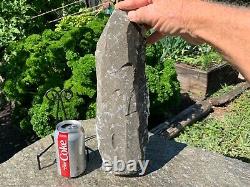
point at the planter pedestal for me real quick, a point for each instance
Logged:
(200, 83)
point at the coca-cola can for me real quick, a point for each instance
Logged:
(70, 148)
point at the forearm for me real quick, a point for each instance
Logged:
(225, 28)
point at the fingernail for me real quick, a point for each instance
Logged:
(131, 15)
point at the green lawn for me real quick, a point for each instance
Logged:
(224, 89)
(228, 134)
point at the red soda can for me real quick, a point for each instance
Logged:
(70, 148)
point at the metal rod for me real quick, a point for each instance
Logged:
(90, 138)
(58, 19)
(59, 8)
(62, 7)
(39, 155)
(46, 149)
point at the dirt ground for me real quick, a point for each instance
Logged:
(218, 112)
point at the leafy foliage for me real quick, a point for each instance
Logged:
(207, 58)
(63, 59)
(224, 89)
(228, 135)
(202, 56)
(13, 16)
(16, 18)
(75, 21)
(54, 59)
(41, 23)
(164, 88)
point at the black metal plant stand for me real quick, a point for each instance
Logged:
(57, 97)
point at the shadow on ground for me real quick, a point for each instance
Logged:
(159, 151)
(94, 162)
(12, 139)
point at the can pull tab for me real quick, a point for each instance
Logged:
(69, 126)
(66, 126)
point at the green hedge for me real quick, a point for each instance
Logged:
(54, 59)
(13, 16)
(164, 88)
(16, 18)
(64, 58)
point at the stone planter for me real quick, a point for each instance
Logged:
(200, 83)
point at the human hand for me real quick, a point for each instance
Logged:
(166, 17)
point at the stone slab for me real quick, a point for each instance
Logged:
(171, 164)
(122, 96)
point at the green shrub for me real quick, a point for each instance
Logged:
(164, 88)
(54, 59)
(63, 59)
(13, 16)
(16, 18)
(39, 24)
(77, 21)
(205, 58)
(200, 56)
(154, 54)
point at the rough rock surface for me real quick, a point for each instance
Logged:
(122, 97)
(171, 164)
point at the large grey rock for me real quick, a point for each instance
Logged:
(171, 164)
(122, 97)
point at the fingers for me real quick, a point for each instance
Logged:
(192, 40)
(156, 36)
(142, 15)
(132, 4)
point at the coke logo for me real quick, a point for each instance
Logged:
(63, 151)
(63, 154)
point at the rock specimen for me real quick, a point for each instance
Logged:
(122, 96)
